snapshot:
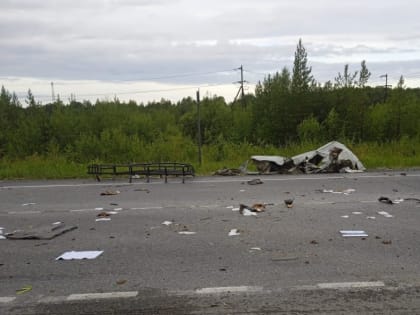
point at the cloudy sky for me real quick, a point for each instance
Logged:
(152, 49)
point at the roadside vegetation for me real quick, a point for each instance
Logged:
(289, 113)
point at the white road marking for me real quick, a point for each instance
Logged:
(239, 289)
(286, 178)
(7, 299)
(350, 285)
(23, 212)
(146, 208)
(106, 295)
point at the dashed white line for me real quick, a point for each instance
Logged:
(146, 208)
(238, 289)
(23, 212)
(7, 299)
(96, 296)
(350, 285)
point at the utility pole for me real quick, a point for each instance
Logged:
(241, 87)
(198, 127)
(52, 92)
(386, 85)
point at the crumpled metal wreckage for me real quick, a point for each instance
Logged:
(333, 157)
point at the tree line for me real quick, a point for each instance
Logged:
(287, 107)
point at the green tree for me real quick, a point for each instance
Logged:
(345, 80)
(302, 79)
(364, 75)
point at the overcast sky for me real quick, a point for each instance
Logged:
(153, 49)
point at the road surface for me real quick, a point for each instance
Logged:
(283, 260)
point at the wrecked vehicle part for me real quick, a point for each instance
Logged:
(271, 164)
(332, 157)
(46, 232)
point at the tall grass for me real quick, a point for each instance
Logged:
(394, 155)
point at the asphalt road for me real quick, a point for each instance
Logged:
(284, 260)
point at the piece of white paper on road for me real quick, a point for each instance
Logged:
(353, 233)
(248, 213)
(103, 219)
(385, 214)
(234, 232)
(167, 223)
(186, 233)
(89, 254)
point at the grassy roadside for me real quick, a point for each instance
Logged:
(394, 155)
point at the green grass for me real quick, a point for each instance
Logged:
(394, 155)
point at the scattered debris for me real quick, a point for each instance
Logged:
(45, 232)
(103, 214)
(387, 242)
(370, 218)
(289, 203)
(255, 248)
(24, 289)
(357, 212)
(353, 233)
(80, 255)
(28, 204)
(385, 214)
(167, 223)
(121, 282)
(385, 200)
(345, 216)
(234, 232)
(110, 192)
(250, 211)
(255, 181)
(314, 242)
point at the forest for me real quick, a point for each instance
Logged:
(288, 112)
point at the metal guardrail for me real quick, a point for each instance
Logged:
(142, 169)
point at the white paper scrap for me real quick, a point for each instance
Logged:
(353, 233)
(235, 209)
(28, 204)
(229, 207)
(102, 219)
(91, 254)
(167, 223)
(99, 209)
(356, 212)
(118, 209)
(248, 213)
(255, 248)
(186, 233)
(385, 214)
(371, 218)
(349, 191)
(234, 232)
(345, 216)
(56, 223)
